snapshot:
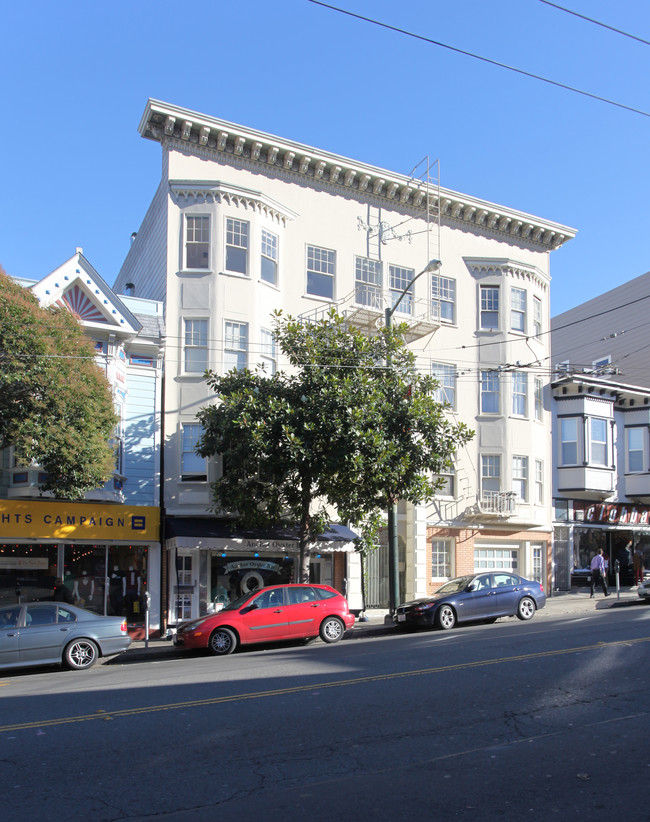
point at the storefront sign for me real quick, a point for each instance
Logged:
(612, 514)
(37, 519)
(15, 563)
(251, 563)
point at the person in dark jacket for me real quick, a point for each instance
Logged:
(61, 593)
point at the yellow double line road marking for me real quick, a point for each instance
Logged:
(362, 680)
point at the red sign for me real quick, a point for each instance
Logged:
(611, 513)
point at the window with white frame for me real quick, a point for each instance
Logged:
(445, 374)
(269, 261)
(490, 475)
(184, 580)
(400, 278)
(235, 347)
(321, 270)
(367, 282)
(268, 358)
(443, 298)
(539, 482)
(537, 317)
(490, 392)
(569, 441)
(237, 245)
(518, 309)
(195, 346)
(520, 477)
(520, 393)
(538, 562)
(197, 241)
(539, 398)
(440, 558)
(489, 307)
(598, 441)
(635, 449)
(448, 487)
(193, 467)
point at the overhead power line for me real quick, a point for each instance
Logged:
(480, 57)
(596, 22)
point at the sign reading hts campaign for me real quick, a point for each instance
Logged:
(36, 519)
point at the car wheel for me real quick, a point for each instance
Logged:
(331, 629)
(445, 617)
(222, 642)
(526, 608)
(80, 654)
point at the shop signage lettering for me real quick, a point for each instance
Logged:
(621, 514)
(251, 563)
(256, 544)
(45, 520)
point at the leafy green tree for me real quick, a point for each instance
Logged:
(56, 407)
(340, 432)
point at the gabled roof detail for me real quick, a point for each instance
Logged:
(80, 305)
(76, 286)
(204, 135)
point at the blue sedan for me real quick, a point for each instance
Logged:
(477, 597)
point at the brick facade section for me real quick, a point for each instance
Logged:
(464, 539)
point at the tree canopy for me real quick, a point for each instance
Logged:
(56, 407)
(341, 431)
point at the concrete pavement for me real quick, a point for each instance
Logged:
(563, 603)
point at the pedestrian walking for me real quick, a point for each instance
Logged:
(598, 572)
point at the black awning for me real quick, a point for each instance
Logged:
(206, 527)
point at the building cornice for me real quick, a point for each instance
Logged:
(215, 191)
(163, 122)
(503, 267)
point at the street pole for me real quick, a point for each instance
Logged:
(393, 545)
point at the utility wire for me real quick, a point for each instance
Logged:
(480, 57)
(597, 22)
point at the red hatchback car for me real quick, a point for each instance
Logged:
(278, 613)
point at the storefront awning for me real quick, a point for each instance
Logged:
(215, 534)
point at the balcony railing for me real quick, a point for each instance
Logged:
(498, 503)
(365, 307)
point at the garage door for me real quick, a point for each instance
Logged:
(496, 559)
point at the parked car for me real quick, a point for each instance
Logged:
(475, 597)
(54, 633)
(277, 613)
(643, 590)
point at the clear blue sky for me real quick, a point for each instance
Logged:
(77, 75)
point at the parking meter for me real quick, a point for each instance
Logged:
(147, 605)
(617, 570)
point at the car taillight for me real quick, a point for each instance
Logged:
(541, 587)
(123, 626)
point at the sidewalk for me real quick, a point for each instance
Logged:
(562, 603)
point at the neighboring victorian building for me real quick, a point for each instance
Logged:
(244, 222)
(106, 548)
(601, 435)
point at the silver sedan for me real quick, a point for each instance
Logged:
(53, 633)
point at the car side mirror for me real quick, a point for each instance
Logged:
(250, 607)
(471, 587)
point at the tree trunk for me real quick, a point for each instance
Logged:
(303, 571)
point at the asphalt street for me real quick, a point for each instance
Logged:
(537, 719)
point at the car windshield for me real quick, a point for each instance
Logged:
(237, 603)
(455, 585)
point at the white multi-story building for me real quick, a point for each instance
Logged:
(105, 548)
(243, 223)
